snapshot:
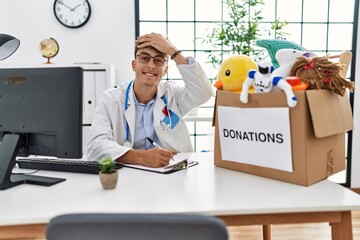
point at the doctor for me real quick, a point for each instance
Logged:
(148, 107)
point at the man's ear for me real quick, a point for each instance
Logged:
(133, 64)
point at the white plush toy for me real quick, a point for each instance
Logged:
(266, 78)
(286, 59)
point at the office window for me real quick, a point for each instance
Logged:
(322, 26)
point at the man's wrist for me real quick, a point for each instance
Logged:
(132, 157)
(177, 52)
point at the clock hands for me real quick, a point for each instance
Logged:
(72, 13)
(61, 2)
(71, 9)
(75, 7)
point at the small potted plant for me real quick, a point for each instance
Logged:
(108, 174)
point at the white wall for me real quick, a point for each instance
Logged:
(108, 37)
(355, 163)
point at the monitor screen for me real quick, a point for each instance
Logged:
(42, 107)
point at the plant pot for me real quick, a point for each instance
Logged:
(109, 180)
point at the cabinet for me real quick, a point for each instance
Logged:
(97, 78)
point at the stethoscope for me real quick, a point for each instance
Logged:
(126, 106)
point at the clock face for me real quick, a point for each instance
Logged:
(72, 13)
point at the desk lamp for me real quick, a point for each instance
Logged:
(8, 45)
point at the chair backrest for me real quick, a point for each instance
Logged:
(107, 226)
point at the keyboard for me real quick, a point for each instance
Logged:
(62, 165)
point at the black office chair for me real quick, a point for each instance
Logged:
(107, 226)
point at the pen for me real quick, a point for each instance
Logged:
(155, 144)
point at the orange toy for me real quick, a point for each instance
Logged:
(296, 83)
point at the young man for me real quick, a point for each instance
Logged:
(148, 108)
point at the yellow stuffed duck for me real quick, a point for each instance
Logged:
(233, 72)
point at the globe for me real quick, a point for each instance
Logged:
(49, 48)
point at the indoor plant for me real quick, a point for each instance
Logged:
(108, 174)
(237, 35)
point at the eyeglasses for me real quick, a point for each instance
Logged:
(145, 58)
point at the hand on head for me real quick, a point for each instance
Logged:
(156, 41)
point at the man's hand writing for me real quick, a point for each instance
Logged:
(151, 158)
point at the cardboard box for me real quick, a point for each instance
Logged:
(317, 127)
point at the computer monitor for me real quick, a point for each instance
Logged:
(40, 114)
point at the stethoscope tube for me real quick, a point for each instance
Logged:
(126, 106)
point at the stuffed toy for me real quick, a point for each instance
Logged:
(321, 73)
(264, 81)
(296, 83)
(286, 59)
(233, 72)
(267, 78)
(274, 45)
(261, 79)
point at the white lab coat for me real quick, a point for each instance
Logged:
(108, 131)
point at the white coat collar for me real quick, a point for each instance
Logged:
(130, 112)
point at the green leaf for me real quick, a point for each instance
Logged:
(242, 30)
(107, 165)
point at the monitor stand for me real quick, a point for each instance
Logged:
(9, 148)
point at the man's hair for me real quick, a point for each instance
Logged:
(165, 55)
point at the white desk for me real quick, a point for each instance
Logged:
(235, 197)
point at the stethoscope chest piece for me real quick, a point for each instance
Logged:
(127, 144)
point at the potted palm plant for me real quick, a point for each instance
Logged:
(108, 174)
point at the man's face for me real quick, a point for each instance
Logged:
(149, 66)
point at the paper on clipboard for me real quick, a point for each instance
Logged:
(181, 161)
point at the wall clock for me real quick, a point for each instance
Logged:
(72, 13)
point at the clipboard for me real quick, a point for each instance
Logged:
(181, 161)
